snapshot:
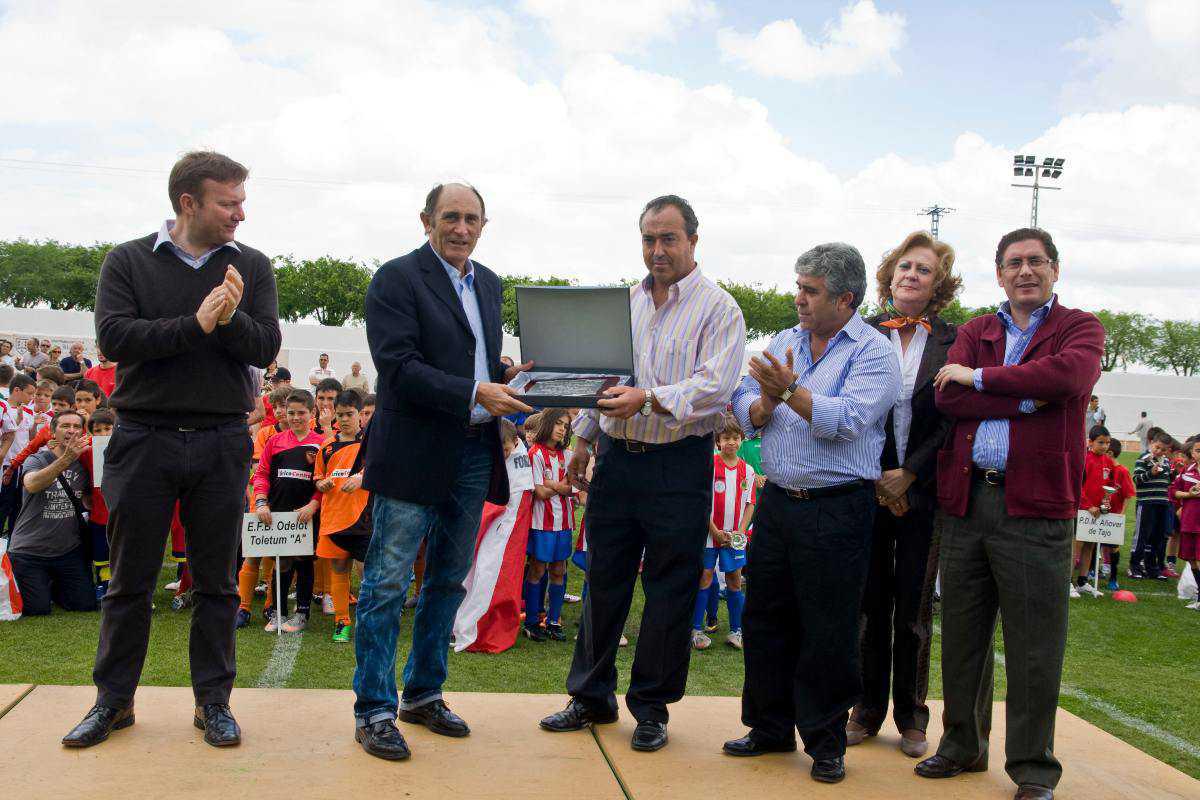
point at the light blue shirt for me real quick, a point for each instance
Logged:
(990, 450)
(195, 262)
(464, 287)
(853, 384)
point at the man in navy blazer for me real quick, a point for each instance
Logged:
(433, 453)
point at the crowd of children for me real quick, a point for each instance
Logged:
(307, 460)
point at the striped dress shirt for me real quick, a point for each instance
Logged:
(688, 353)
(854, 384)
(990, 450)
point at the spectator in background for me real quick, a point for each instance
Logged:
(356, 379)
(1095, 414)
(104, 374)
(46, 549)
(7, 372)
(321, 371)
(1144, 431)
(6, 353)
(76, 364)
(33, 357)
(55, 354)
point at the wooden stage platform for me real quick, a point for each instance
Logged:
(298, 744)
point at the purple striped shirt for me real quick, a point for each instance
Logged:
(689, 353)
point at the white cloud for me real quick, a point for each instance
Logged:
(1151, 53)
(862, 40)
(615, 26)
(364, 107)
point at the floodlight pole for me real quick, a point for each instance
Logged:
(1037, 187)
(934, 212)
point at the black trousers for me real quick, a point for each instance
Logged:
(146, 471)
(659, 502)
(1017, 569)
(65, 581)
(801, 623)
(1155, 524)
(897, 621)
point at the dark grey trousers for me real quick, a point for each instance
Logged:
(993, 563)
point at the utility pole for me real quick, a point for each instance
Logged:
(1027, 167)
(934, 212)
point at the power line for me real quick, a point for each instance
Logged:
(934, 212)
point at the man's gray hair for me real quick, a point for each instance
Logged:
(840, 265)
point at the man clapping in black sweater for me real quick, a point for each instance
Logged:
(184, 312)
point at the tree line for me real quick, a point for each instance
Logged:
(330, 290)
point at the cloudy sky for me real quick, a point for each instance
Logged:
(784, 123)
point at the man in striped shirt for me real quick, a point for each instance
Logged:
(821, 395)
(654, 448)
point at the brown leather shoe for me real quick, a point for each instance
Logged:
(913, 743)
(938, 766)
(856, 733)
(1031, 791)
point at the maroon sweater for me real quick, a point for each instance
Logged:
(1046, 448)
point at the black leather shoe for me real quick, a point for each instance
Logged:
(383, 740)
(1031, 791)
(938, 766)
(575, 717)
(749, 746)
(829, 770)
(437, 718)
(219, 726)
(97, 724)
(649, 736)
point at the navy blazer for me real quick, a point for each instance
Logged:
(424, 354)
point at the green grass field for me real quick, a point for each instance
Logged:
(1130, 668)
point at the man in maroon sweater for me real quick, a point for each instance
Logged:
(1016, 383)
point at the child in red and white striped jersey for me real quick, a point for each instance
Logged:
(553, 520)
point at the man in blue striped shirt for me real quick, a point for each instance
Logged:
(821, 394)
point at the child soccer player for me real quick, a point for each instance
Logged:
(1152, 477)
(17, 422)
(99, 424)
(733, 508)
(1098, 471)
(87, 397)
(368, 411)
(553, 520)
(345, 508)
(283, 481)
(1185, 490)
(1123, 482)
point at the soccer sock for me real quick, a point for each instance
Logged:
(246, 580)
(714, 598)
(533, 603)
(701, 605)
(284, 577)
(321, 576)
(736, 602)
(339, 588)
(185, 580)
(1080, 580)
(1114, 559)
(304, 585)
(557, 592)
(544, 585)
(268, 569)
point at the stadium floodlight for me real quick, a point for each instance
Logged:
(1026, 166)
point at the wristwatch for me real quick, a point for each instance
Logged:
(789, 391)
(648, 406)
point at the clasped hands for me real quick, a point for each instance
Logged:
(218, 307)
(773, 375)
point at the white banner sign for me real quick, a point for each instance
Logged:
(1106, 529)
(285, 536)
(99, 447)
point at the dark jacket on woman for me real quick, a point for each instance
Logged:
(929, 427)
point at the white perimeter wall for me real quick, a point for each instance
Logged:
(1173, 401)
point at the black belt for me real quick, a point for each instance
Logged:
(992, 477)
(634, 446)
(824, 491)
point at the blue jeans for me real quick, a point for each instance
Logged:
(451, 528)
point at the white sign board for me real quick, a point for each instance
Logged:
(285, 536)
(99, 447)
(1106, 529)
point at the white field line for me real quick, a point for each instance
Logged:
(279, 667)
(1109, 710)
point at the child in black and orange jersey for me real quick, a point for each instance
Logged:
(283, 481)
(345, 508)
(325, 424)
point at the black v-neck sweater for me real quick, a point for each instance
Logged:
(169, 372)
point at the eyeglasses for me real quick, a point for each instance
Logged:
(1034, 262)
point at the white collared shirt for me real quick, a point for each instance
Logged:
(910, 364)
(195, 262)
